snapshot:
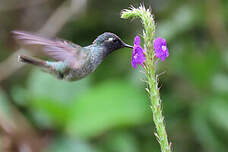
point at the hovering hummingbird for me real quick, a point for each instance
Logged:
(71, 61)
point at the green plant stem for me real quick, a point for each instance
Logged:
(150, 71)
(158, 118)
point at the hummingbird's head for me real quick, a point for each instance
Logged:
(110, 41)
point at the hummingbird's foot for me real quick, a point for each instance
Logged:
(60, 76)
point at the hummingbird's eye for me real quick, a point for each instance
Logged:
(109, 39)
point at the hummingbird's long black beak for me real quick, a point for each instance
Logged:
(129, 46)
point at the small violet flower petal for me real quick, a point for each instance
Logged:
(137, 40)
(138, 56)
(161, 50)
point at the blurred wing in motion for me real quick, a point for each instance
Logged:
(59, 50)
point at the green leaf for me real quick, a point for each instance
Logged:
(218, 113)
(109, 105)
(120, 142)
(184, 18)
(63, 144)
(46, 85)
(208, 119)
(50, 99)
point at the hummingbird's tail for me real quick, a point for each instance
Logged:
(56, 68)
(33, 61)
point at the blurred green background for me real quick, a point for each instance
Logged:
(109, 110)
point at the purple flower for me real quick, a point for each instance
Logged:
(138, 56)
(161, 50)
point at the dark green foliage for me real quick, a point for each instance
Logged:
(109, 111)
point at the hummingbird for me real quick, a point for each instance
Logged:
(70, 61)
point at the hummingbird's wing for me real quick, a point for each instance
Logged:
(59, 50)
